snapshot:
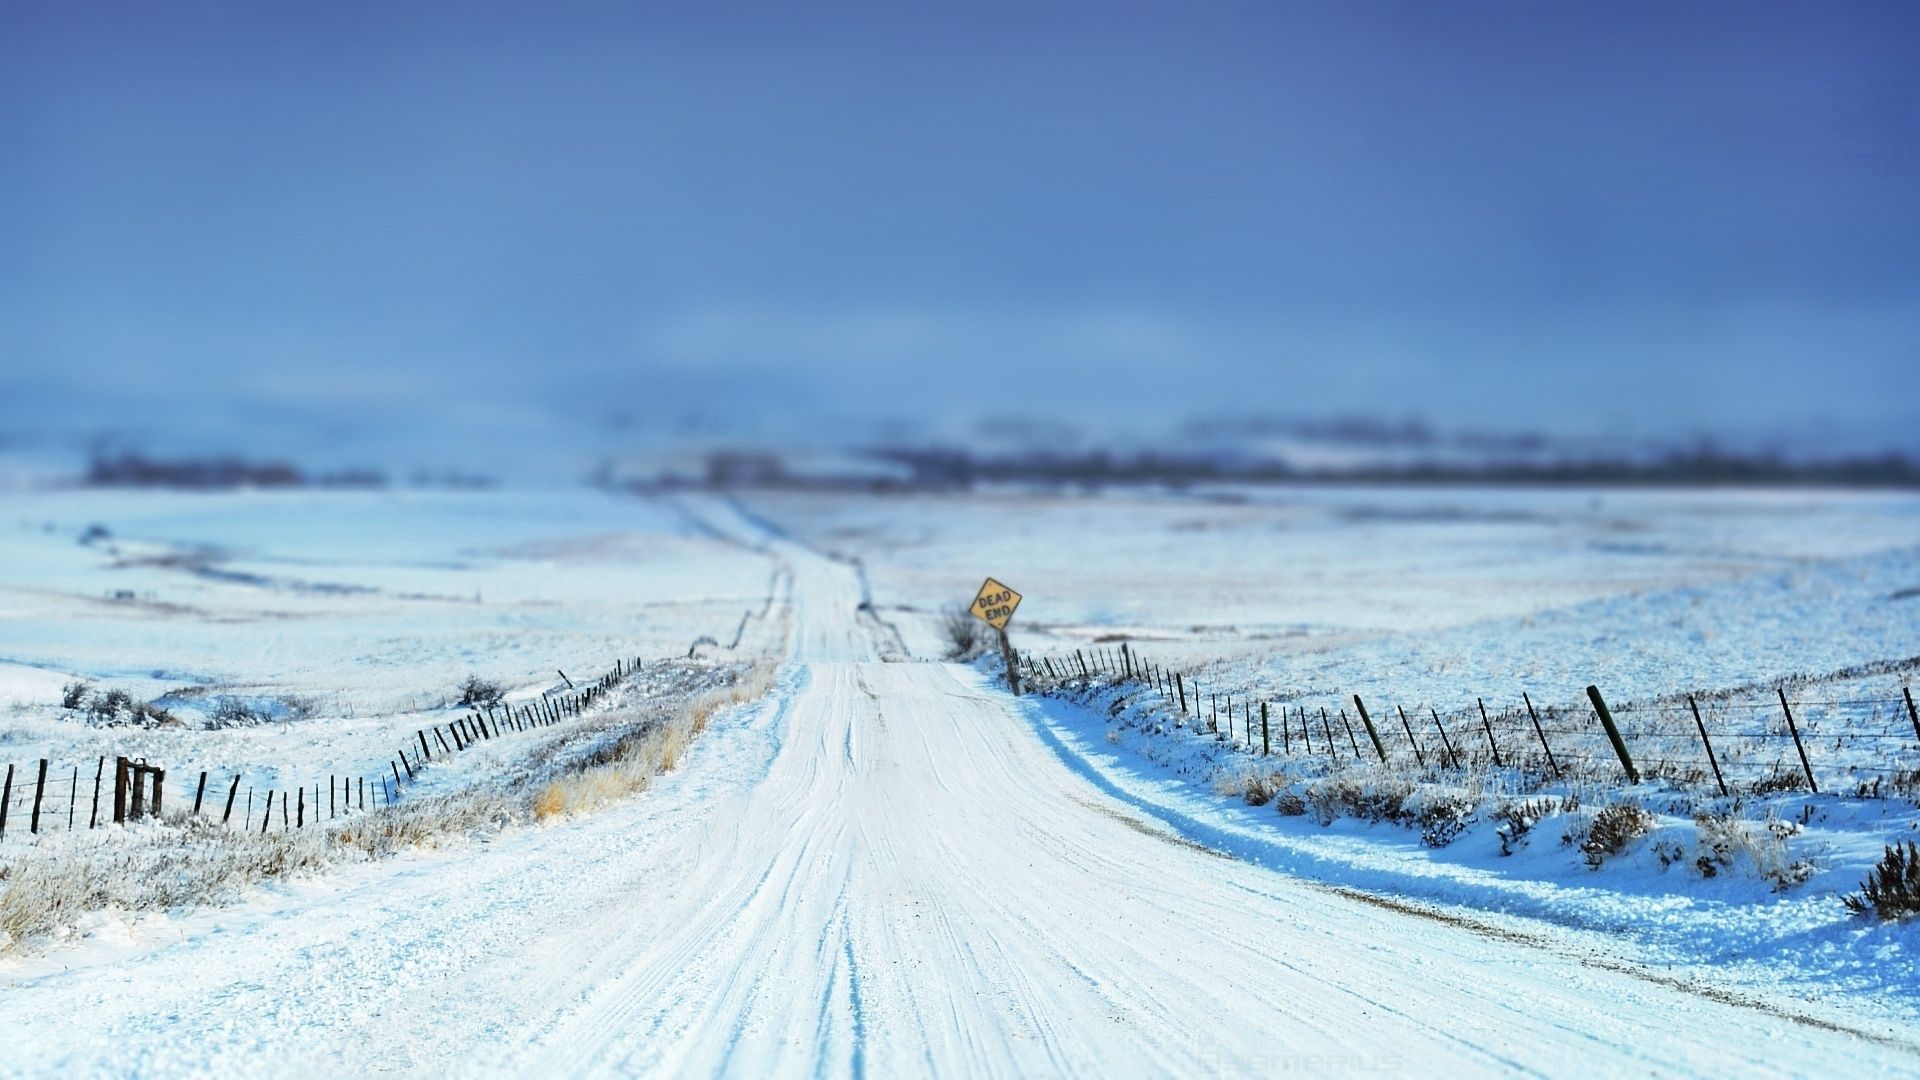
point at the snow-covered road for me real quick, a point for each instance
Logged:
(880, 870)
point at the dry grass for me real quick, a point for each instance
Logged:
(1611, 829)
(965, 634)
(1727, 840)
(1892, 889)
(189, 860)
(629, 765)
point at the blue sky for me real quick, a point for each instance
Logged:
(1657, 216)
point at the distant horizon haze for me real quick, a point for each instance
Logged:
(222, 223)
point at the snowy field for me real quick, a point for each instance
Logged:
(1319, 572)
(1428, 603)
(289, 636)
(898, 867)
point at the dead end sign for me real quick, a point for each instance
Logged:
(994, 605)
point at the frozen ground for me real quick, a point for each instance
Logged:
(1763, 915)
(1283, 572)
(887, 869)
(895, 868)
(1436, 600)
(345, 620)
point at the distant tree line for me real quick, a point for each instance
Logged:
(949, 469)
(137, 470)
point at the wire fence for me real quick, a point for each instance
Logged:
(1755, 739)
(40, 797)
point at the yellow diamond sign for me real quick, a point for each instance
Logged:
(994, 605)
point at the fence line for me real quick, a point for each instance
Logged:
(1686, 738)
(138, 788)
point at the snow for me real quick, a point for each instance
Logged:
(1733, 930)
(1287, 571)
(896, 868)
(364, 609)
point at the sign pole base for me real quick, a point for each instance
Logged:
(1007, 658)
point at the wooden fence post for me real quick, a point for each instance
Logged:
(300, 818)
(266, 819)
(1444, 741)
(1538, 730)
(99, 770)
(137, 803)
(1180, 686)
(6, 800)
(425, 754)
(1488, 724)
(396, 776)
(39, 791)
(73, 795)
(1796, 740)
(1613, 733)
(1711, 760)
(1912, 714)
(199, 793)
(121, 767)
(1266, 744)
(1366, 720)
(231, 792)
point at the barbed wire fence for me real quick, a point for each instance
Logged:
(42, 797)
(1755, 738)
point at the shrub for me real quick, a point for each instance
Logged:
(963, 632)
(106, 708)
(1290, 804)
(1444, 817)
(73, 695)
(1781, 780)
(1726, 838)
(150, 715)
(478, 691)
(233, 712)
(1892, 889)
(1514, 820)
(296, 707)
(1614, 827)
(1261, 788)
(1367, 797)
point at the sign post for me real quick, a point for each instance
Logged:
(994, 605)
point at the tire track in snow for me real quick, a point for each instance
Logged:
(885, 870)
